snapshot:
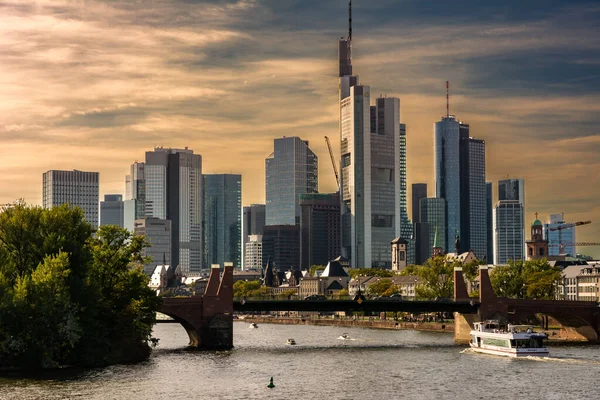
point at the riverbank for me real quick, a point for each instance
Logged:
(375, 323)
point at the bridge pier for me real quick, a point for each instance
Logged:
(207, 319)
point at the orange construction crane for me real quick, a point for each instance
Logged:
(566, 225)
(335, 170)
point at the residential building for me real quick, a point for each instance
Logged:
(319, 228)
(158, 234)
(174, 192)
(473, 213)
(253, 223)
(77, 188)
(490, 224)
(111, 210)
(291, 170)
(222, 219)
(254, 254)
(580, 282)
(280, 246)
(554, 237)
(509, 239)
(433, 212)
(419, 191)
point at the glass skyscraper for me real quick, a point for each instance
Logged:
(222, 219)
(135, 195)
(447, 174)
(174, 192)
(111, 210)
(473, 213)
(490, 224)
(509, 232)
(512, 189)
(553, 237)
(291, 170)
(433, 213)
(77, 188)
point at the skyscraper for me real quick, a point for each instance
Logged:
(490, 224)
(419, 191)
(253, 253)
(135, 195)
(291, 170)
(174, 192)
(253, 223)
(433, 212)
(111, 210)
(319, 229)
(222, 219)
(447, 173)
(77, 188)
(509, 232)
(512, 189)
(158, 235)
(280, 246)
(473, 213)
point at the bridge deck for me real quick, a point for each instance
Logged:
(464, 307)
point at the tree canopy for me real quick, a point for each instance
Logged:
(67, 298)
(437, 278)
(383, 287)
(532, 279)
(382, 273)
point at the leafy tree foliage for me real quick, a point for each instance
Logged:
(382, 273)
(67, 298)
(437, 277)
(314, 268)
(532, 279)
(383, 287)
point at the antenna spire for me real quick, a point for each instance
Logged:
(447, 100)
(350, 21)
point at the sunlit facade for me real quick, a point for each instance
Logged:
(509, 229)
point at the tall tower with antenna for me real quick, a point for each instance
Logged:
(345, 48)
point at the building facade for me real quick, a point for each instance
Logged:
(419, 191)
(447, 173)
(490, 223)
(320, 229)
(291, 170)
(433, 212)
(222, 219)
(473, 213)
(554, 237)
(537, 246)
(253, 223)
(77, 188)
(254, 254)
(111, 210)
(134, 205)
(280, 246)
(512, 189)
(158, 235)
(509, 239)
(174, 192)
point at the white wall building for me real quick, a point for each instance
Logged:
(253, 252)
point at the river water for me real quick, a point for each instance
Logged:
(372, 364)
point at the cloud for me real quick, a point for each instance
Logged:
(93, 85)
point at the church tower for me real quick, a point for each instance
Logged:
(537, 247)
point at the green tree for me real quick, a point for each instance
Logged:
(383, 287)
(314, 268)
(382, 273)
(244, 288)
(532, 279)
(288, 294)
(437, 277)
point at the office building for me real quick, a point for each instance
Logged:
(554, 237)
(473, 213)
(280, 246)
(509, 239)
(422, 241)
(222, 219)
(111, 210)
(512, 189)
(77, 188)
(135, 195)
(174, 192)
(158, 235)
(447, 174)
(319, 229)
(433, 213)
(419, 191)
(490, 224)
(291, 170)
(254, 255)
(253, 223)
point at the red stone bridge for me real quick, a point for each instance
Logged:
(579, 320)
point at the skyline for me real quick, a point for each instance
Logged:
(99, 85)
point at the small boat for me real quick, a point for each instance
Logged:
(253, 325)
(291, 342)
(344, 336)
(514, 341)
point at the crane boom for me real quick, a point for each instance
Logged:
(335, 170)
(567, 225)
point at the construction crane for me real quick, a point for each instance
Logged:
(335, 170)
(566, 225)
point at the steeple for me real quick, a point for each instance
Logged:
(437, 251)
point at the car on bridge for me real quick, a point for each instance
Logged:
(394, 297)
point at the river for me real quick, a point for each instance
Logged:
(373, 364)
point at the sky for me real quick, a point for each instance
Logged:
(93, 85)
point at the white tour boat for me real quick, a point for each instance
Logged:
(291, 342)
(515, 341)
